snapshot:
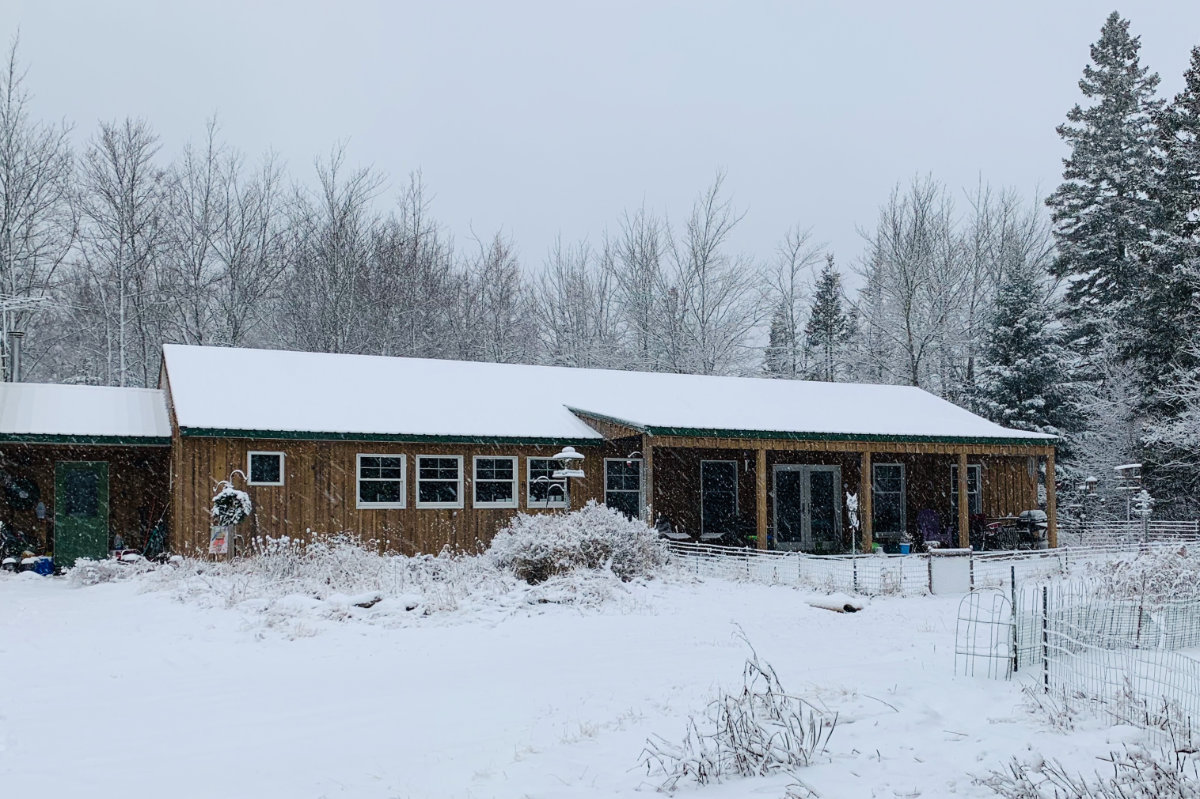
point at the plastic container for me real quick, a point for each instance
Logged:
(905, 548)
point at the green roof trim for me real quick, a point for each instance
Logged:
(108, 441)
(700, 432)
(706, 432)
(303, 435)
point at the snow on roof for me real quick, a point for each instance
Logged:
(223, 389)
(36, 410)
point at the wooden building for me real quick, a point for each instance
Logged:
(422, 454)
(83, 468)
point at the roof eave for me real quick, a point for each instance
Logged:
(313, 435)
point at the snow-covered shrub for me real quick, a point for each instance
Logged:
(760, 730)
(93, 572)
(229, 505)
(537, 547)
(1155, 575)
(1136, 773)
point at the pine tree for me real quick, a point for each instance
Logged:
(781, 354)
(1103, 211)
(828, 330)
(1168, 308)
(1023, 382)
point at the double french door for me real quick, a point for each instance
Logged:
(808, 508)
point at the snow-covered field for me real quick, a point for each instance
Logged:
(138, 689)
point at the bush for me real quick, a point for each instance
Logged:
(758, 731)
(1136, 773)
(538, 547)
(1155, 575)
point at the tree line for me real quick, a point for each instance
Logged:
(1076, 316)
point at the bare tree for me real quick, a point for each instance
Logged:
(716, 296)
(573, 300)
(121, 235)
(787, 293)
(634, 261)
(37, 221)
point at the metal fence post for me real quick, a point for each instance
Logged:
(1016, 662)
(1045, 639)
(854, 567)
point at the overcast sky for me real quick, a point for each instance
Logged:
(552, 118)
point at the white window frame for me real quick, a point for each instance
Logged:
(250, 471)
(457, 504)
(903, 499)
(515, 502)
(358, 480)
(533, 504)
(977, 469)
(641, 490)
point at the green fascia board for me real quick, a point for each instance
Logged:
(303, 435)
(698, 432)
(705, 432)
(111, 441)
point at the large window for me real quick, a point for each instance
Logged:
(974, 495)
(381, 481)
(495, 482)
(887, 499)
(439, 481)
(543, 490)
(264, 469)
(623, 486)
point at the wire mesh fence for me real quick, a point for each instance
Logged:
(1123, 531)
(1131, 660)
(879, 574)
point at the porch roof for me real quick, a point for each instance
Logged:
(45, 413)
(276, 393)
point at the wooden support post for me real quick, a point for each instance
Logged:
(760, 497)
(648, 481)
(964, 504)
(1051, 503)
(865, 502)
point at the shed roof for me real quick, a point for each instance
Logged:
(55, 413)
(277, 393)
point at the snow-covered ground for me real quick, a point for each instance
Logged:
(127, 689)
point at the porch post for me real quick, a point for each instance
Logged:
(760, 496)
(865, 502)
(648, 481)
(1051, 503)
(964, 504)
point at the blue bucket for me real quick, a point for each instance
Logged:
(905, 548)
(44, 566)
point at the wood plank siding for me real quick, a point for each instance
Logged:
(319, 494)
(139, 492)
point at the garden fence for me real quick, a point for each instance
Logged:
(1127, 659)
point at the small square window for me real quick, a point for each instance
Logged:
(381, 481)
(495, 482)
(439, 481)
(265, 469)
(543, 489)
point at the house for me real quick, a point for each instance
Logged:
(79, 464)
(422, 454)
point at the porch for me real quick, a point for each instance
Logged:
(834, 497)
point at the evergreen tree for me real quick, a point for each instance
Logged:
(1168, 310)
(1103, 211)
(828, 331)
(782, 355)
(1023, 382)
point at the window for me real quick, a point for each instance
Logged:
(265, 469)
(887, 499)
(381, 481)
(543, 490)
(718, 498)
(495, 482)
(623, 486)
(974, 495)
(439, 481)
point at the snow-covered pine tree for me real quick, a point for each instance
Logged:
(1168, 309)
(1023, 381)
(779, 357)
(828, 330)
(1104, 209)
(1170, 353)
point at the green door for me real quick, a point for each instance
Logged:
(80, 511)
